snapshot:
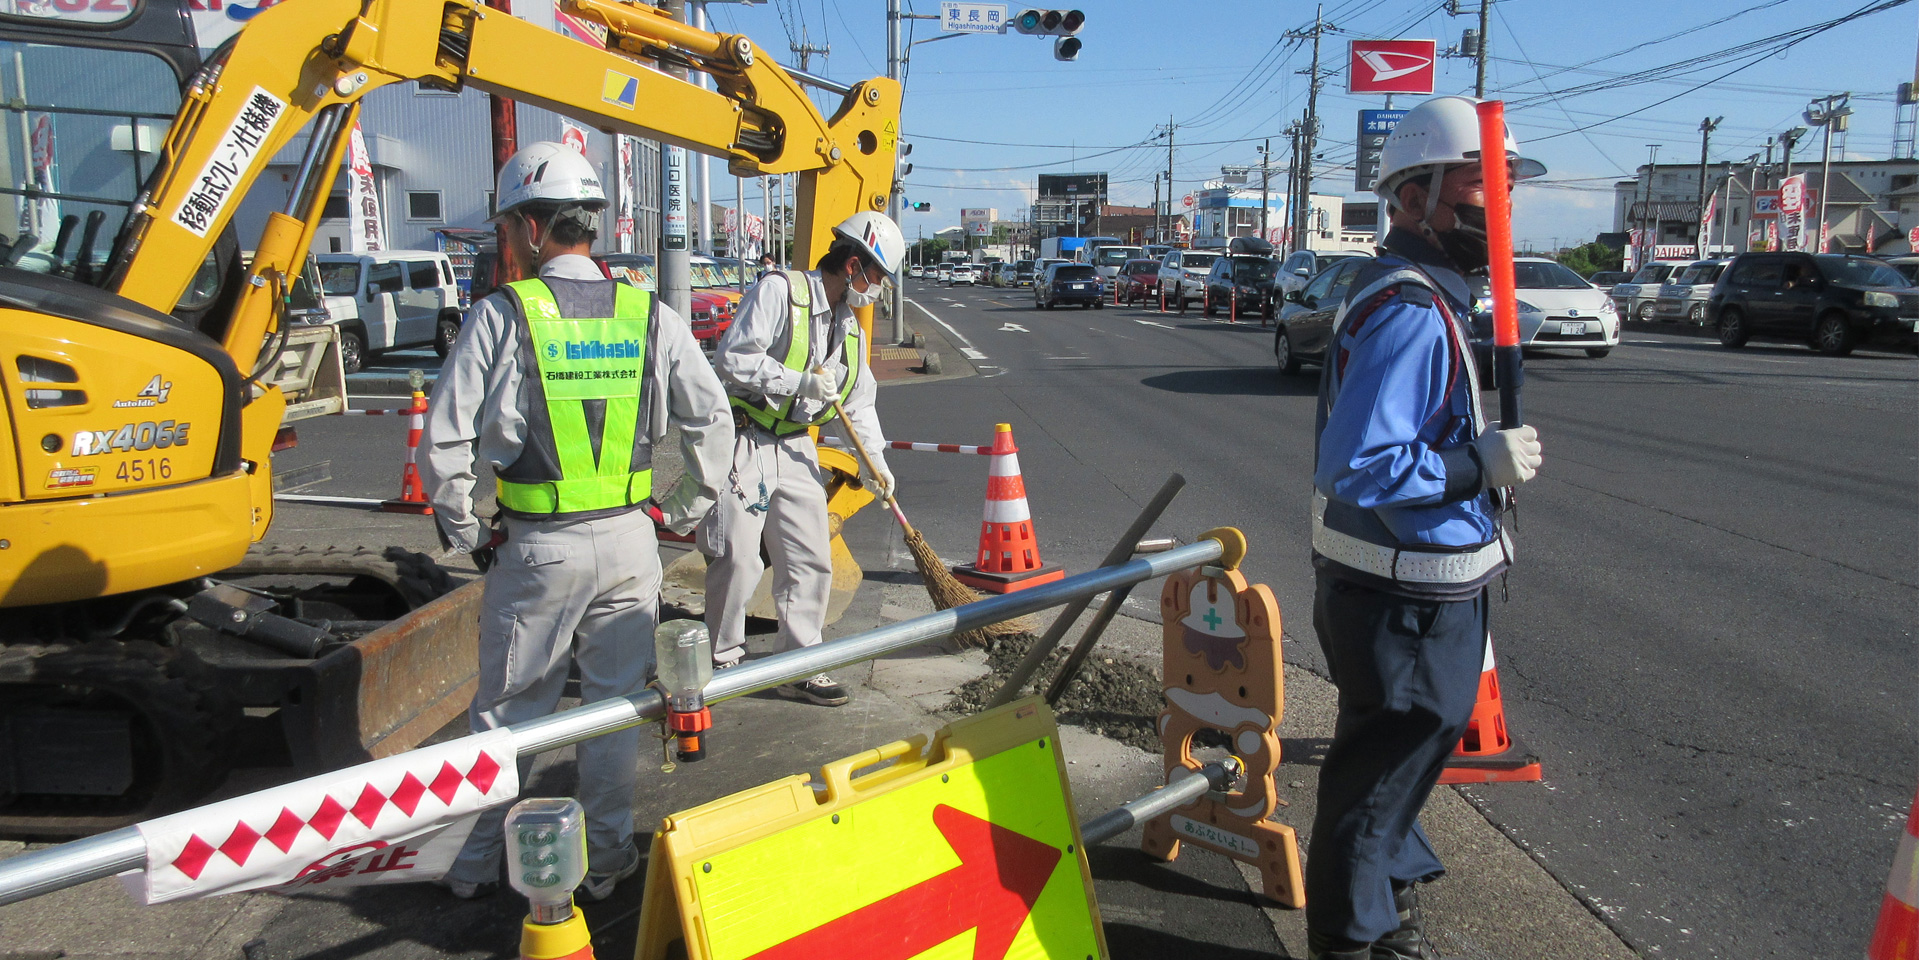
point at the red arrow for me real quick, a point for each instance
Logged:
(1001, 874)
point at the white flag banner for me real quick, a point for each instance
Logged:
(1706, 224)
(401, 819)
(623, 224)
(368, 233)
(573, 135)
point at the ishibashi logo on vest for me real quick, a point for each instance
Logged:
(600, 349)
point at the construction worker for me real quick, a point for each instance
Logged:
(793, 349)
(565, 384)
(1406, 536)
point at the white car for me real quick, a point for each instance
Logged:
(1684, 295)
(1557, 309)
(916, 271)
(963, 273)
(1183, 275)
(389, 300)
(942, 271)
(1635, 298)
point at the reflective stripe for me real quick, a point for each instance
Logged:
(1405, 564)
(559, 497)
(1007, 511)
(799, 336)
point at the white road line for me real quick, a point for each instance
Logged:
(1063, 358)
(1013, 328)
(965, 345)
(1150, 323)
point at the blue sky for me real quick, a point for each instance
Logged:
(1227, 75)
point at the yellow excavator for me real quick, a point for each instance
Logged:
(135, 662)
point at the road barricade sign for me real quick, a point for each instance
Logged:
(965, 848)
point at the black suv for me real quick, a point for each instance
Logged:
(1067, 283)
(1247, 279)
(1831, 302)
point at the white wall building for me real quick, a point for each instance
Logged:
(1870, 205)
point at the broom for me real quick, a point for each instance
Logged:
(946, 591)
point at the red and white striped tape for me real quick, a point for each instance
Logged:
(922, 447)
(376, 412)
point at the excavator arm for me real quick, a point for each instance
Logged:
(309, 64)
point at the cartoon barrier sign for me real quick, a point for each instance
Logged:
(1223, 672)
(401, 819)
(965, 848)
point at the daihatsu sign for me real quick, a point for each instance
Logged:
(1390, 66)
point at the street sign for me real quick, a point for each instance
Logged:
(1374, 127)
(1913, 237)
(1390, 66)
(1187, 201)
(962, 17)
(974, 834)
(1766, 203)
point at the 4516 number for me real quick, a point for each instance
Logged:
(140, 471)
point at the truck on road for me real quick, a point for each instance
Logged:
(1062, 248)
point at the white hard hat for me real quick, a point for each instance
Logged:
(546, 172)
(878, 236)
(1440, 133)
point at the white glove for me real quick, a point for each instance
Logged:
(882, 479)
(684, 507)
(823, 386)
(1508, 458)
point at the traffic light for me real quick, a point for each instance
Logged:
(901, 160)
(922, 206)
(1062, 24)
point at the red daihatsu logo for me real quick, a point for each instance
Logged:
(1390, 66)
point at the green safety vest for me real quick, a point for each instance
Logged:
(794, 346)
(587, 451)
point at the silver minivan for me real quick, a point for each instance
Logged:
(1684, 295)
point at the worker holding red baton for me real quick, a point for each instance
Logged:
(1409, 485)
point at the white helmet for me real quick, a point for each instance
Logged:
(878, 236)
(549, 172)
(1442, 132)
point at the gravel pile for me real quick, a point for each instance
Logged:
(1119, 699)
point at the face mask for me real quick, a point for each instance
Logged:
(862, 298)
(1466, 243)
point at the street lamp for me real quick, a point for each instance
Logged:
(1827, 113)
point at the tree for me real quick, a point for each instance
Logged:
(1587, 259)
(927, 251)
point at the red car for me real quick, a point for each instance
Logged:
(1139, 280)
(712, 311)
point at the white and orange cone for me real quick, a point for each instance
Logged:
(1899, 926)
(413, 496)
(1009, 554)
(1487, 752)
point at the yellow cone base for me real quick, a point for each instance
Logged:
(566, 940)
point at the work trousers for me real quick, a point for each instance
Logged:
(585, 592)
(1408, 671)
(774, 494)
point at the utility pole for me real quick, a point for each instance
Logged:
(1707, 126)
(1829, 112)
(1308, 128)
(675, 280)
(1157, 235)
(1769, 169)
(1647, 240)
(1265, 147)
(899, 298)
(1170, 129)
(1293, 185)
(1480, 53)
(806, 50)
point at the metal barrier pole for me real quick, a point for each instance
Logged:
(1218, 775)
(70, 864)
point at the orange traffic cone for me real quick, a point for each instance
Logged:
(1009, 556)
(413, 496)
(1899, 926)
(1488, 753)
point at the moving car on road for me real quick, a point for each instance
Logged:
(1023, 273)
(1108, 260)
(1139, 280)
(1303, 265)
(1557, 309)
(1684, 297)
(1831, 302)
(1635, 298)
(963, 273)
(1305, 324)
(1248, 280)
(1068, 283)
(916, 271)
(942, 273)
(1183, 275)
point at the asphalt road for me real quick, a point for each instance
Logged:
(1710, 632)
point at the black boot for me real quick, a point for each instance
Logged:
(1409, 940)
(1333, 948)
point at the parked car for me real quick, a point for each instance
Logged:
(962, 273)
(1303, 265)
(389, 300)
(1831, 302)
(1068, 283)
(1608, 279)
(1305, 324)
(1183, 275)
(916, 271)
(711, 312)
(1557, 309)
(1684, 295)
(1247, 279)
(1023, 273)
(1139, 280)
(1635, 298)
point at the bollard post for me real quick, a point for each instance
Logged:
(413, 497)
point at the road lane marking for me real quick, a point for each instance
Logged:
(1150, 323)
(965, 345)
(1013, 328)
(1063, 358)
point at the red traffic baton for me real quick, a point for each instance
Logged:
(1506, 310)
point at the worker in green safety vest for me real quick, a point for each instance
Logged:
(563, 385)
(793, 350)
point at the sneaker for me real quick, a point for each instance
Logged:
(821, 690)
(599, 883)
(469, 891)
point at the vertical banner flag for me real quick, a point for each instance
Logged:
(623, 225)
(41, 216)
(1793, 213)
(1706, 224)
(367, 233)
(673, 203)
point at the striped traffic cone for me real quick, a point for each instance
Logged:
(1488, 753)
(413, 496)
(1009, 556)
(1899, 926)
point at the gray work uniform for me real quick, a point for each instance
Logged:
(775, 491)
(579, 590)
